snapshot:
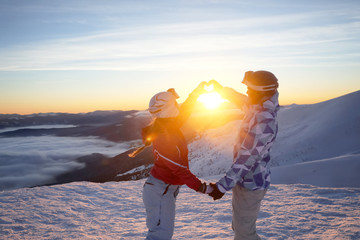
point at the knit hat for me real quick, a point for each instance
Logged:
(261, 81)
(164, 105)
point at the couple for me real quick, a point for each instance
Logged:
(249, 175)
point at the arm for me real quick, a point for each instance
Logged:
(230, 94)
(255, 144)
(169, 155)
(188, 105)
(233, 96)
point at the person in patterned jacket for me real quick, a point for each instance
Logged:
(171, 165)
(249, 175)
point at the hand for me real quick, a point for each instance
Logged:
(200, 89)
(215, 194)
(217, 86)
(205, 188)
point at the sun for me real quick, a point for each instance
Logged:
(211, 100)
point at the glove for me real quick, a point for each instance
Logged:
(215, 194)
(204, 188)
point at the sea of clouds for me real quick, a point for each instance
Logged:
(30, 161)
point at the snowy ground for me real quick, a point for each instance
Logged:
(115, 211)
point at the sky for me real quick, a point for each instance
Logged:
(82, 56)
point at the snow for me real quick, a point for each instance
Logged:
(317, 131)
(115, 211)
(342, 171)
(137, 169)
(211, 153)
(315, 191)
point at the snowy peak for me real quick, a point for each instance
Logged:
(317, 131)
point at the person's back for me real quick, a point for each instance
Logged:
(171, 166)
(249, 175)
(171, 155)
(252, 147)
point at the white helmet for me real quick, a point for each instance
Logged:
(164, 105)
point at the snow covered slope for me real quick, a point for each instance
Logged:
(340, 171)
(317, 131)
(211, 153)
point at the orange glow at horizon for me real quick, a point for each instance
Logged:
(66, 106)
(30, 104)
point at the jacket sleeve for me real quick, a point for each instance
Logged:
(254, 145)
(187, 108)
(171, 157)
(234, 97)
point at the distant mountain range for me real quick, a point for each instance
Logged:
(115, 126)
(111, 125)
(97, 117)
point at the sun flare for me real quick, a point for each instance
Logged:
(211, 100)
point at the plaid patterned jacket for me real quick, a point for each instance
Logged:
(251, 168)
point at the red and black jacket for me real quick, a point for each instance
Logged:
(170, 149)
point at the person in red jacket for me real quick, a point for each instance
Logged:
(171, 166)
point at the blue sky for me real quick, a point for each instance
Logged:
(80, 56)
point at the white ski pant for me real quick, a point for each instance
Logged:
(159, 200)
(246, 207)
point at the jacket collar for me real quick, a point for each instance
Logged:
(271, 104)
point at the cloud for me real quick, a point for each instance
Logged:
(29, 161)
(131, 48)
